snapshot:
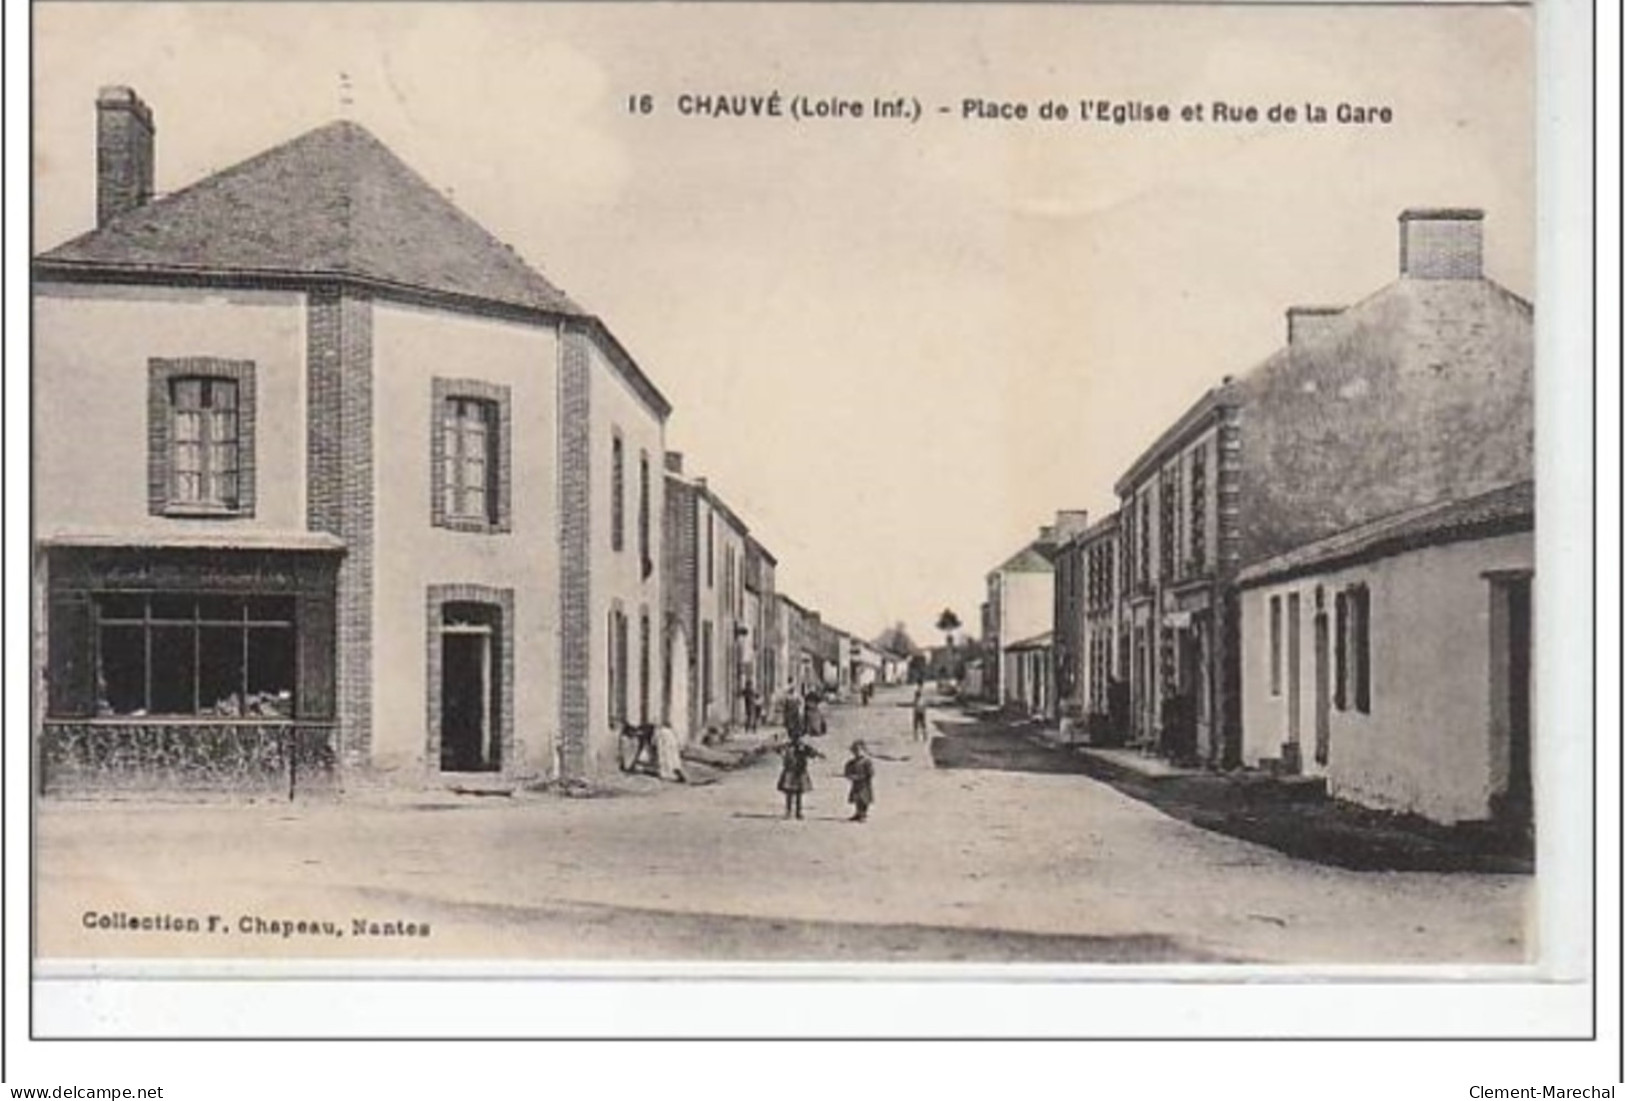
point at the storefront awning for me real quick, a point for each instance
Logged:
(213, 539)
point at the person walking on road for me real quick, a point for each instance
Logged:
(812, 713)
(921, 732)
(860, 773)
(795, 779)
(793, 721)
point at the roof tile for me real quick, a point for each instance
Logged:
(333, 202)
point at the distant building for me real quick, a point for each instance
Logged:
(792, 650)
(1395, 659)
(681, 566)
(1029, 674)
(761, 621)
(722, 579)
(1092, 699)
(1180, 548)
(1020, 608)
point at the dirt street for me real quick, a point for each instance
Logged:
(985, 857)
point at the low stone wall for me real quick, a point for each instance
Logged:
(89, 757)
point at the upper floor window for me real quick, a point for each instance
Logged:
(617, 493)
(205, 444)
(470, 456)
(1198, 510)
(1131, 552)
(645, 554)
(200, 435)
(1169, 516)
(1143, 567)
(468, 467)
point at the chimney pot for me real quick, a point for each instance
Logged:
(124, 152)
(1441, 243)
(1069, 522)
(1306, 322)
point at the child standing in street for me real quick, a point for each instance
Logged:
(860, 773)
(921, 731)
(795, 778)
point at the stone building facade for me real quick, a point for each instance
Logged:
(1418, 395)
(1396, 659)
(246, 575)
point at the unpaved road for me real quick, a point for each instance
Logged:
(994, 856)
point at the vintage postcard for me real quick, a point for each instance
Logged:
(990, 489)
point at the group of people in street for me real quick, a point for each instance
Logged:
(795, 778)
(802, 719)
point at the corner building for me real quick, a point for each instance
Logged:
(367, 493)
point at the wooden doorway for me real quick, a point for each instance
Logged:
(1323, 702)
(469, 689)
(1294, 677)
(1511, 694)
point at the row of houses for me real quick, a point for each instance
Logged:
(1324, 565)
(329, 481)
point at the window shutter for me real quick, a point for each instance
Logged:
(1362, 650)
(71, 660)
(1340, 662)
(247, 462)
(315, 624)
(157, 439)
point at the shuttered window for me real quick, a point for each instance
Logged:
(200, 437)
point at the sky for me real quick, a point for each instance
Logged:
(894, 347)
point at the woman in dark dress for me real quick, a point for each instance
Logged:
(796, 778)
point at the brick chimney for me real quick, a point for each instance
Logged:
(1441, 244)
(124, 153)
(1304, 322)
(674, 462)
(1069, 522)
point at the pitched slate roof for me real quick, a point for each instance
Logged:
(1421, 392)
(334, 202)
(1500, 511)
(1036, 642)
(1029, 559)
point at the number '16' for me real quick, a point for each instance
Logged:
(640, 104)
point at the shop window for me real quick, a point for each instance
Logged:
(206, 656)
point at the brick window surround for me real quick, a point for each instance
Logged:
(499, 466)
(501, 601)
(162, 374)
